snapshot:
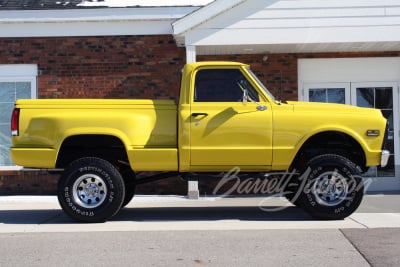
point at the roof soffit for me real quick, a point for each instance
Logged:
(203, 15)
(293, 26)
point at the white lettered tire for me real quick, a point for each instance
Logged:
(333, 189)
(91, 190)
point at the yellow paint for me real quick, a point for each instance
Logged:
(158, 135)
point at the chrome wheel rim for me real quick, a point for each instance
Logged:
(89, 191)
(330, 188)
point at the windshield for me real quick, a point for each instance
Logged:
(261, 84)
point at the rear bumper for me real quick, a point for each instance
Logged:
(384, 157)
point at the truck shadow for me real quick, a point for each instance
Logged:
(160, 214)
(250, 213)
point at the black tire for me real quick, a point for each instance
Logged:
(130, 184)
(333, 187)
(291, 192)
(91, 190)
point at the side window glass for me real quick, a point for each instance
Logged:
(222, 85)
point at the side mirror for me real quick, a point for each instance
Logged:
(247, 98)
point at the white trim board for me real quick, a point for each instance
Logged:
(18, 70)
(92, 22)
(348, 70)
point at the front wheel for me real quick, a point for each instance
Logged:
(333, 187)
(91, 190)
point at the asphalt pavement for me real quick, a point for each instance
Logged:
(212, 231)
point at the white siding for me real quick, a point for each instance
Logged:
(348, 69)
(301, 22)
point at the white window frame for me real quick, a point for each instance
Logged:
(333, 85)
(19, 73)
(351, 99)
(396, 113)
(356, 71)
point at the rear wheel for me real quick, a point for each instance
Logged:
(91, 190)
(333, 188)
(129, 177)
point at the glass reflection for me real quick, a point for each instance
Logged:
(380, 98)
(9, 92)
(327, 95)
(366, 97)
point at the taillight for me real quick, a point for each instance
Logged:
(15, 122)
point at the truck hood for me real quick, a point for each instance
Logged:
(330, 108)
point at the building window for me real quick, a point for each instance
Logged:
(328, 95)
(16, 82)
(371, 96)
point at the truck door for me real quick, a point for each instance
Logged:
(223, 130)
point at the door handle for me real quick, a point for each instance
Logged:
(199, 114)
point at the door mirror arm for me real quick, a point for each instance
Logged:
(246, 98)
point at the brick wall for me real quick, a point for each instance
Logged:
(100, 67)
(128, 67)
(26, 182)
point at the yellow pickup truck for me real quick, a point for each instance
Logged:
(225, 119)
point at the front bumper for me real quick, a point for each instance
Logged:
(384, 157)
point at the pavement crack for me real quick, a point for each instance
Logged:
(355, 247)
(360, 223)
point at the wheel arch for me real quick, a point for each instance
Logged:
(331, 142)
(105, 146)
